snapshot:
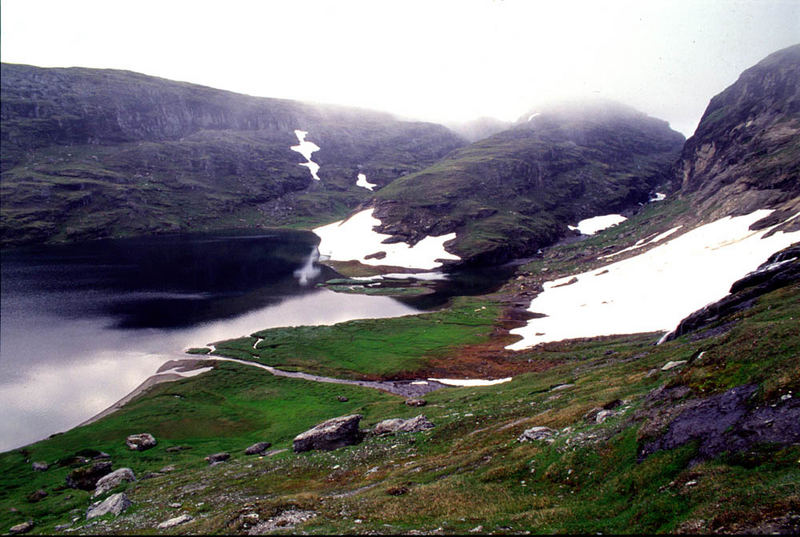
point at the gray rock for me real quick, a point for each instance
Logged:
(399, 425)
(257, 449)
(175, 449)
(342, 399)
(416, 402)
(172, 522)
(109, 481)
(537, 433)
(37, 495)
(603, 415)
(21, 528)
(40, 466)
(672, 365)
(140, 442)
(330, 434)
(114, 504)
(86, 478)
(285, 520)
(218, 457)
(167, 469)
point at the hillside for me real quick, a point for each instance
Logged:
(745, 153)
(90, 153)
(517, 191)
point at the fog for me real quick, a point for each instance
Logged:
(444, 61)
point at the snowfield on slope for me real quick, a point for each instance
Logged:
(655, 290)
(306, 148)
(592, 225)
(354, 239)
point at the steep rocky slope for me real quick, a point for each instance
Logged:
(517, 191)
(745, 154)
(89, 153)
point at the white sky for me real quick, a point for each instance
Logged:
(438, 60)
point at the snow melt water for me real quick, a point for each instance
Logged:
(305, 148)
(354, 239)
(656, 289)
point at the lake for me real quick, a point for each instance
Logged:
(82, 325)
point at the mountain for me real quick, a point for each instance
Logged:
(517, 191)
(478, 129)
(745, 153)
(90, 153)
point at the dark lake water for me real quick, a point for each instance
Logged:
(82, 325)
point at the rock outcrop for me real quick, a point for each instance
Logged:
(330, 434)
(114, 504)
(744, 154)
(109, 481)
(140, 442)
(258, 448)
(399, 425)
(217, 458)
(537, 433)
(86, 478)
(176, 521)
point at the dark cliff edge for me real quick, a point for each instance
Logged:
(745, 154)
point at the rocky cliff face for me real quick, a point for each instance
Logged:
(90, 153)
(745, 154)
(517, 191)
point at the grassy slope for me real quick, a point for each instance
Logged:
(577, 484)
(371, 347)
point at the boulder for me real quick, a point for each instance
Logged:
(40, 466)
(416, 402)
(342, 399)
(257, 449)
(24, 527)
(172, 522)
(109, 481)
(140, 442)
(86, 478)
(399, 425)
(331, 434)
(217, 458)
(537, 433)
(114, 504)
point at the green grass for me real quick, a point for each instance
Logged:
(372, 347)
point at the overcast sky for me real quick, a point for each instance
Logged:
(434, 59)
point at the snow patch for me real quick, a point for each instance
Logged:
(641, 242)
(592, 225)
(470, 382)
(426, 276)
(655, 290)
(658, 197)
(186, 374)
(362, 182)
(306, 148)
(354, 239)
(309, 270)
(533, 116)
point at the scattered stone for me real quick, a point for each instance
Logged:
(330, 434)
(109, 481)
(151, 475)
(167, 469)
(86, 478)
(652, 372)
(24, 527)
(561, 387)
(62, 527)
(603, 415)
(172, 522)
(40, 466)
(114, 504)
(342, 399)
(257, 449)
(273, 452)
(397, 491)
(672, 365)
(476, 529)
(537, 433)
(399, 425)
(36, 496)
(592, 414)
(416, 402)
(217, 458)
(285, 520)
(175, 449)
(140, 442)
